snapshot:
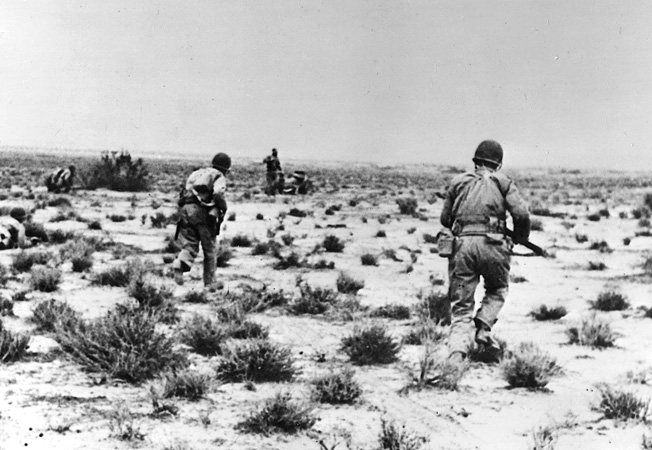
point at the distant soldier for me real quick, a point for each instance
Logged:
(273, 170)
(475, 210)
(203, 207)
(12, 231)
(60, 180)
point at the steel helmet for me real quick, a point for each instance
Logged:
(18, 213)
(222, 162)
(489, 151)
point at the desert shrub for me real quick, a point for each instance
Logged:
(435, 306)
(621, 405)
(581, 238)
(241, 240)
(544, 438)
(369, 260)
(543, 313)
(203, 335)
(346, 284)
(287, 239)
(117, 171)
(185, 384)
(336, 388)
(260, 216)
(146, 293)
(279, 415)
(381, 234)
(94, 225)
(224, 255)
(322, 264)
(536, 225)
(79, 253)
(295, 212)
(123, 344)
(594, 217)
(117, 218)
(370, 345)
(313, 300)
(257, 360)
(260, 248)
(45, 279)
(59, 201)
(289, 261)
(36, 231)
(429, 238)
(24, 260)
(52, 314)
(123, 425)
(247, 329)
(159, 220)
(391, 311)
(407, 205)
(59, 236)
(196, 297)
(394, 437)
(13, 346)
(114, 276)
(252, 300)
(600, 246)
(610, 301)
(333, 244)
(592, 332)
(597, 265)
(529, 367)
(425, 331)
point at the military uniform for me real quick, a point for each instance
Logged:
(273, 171)
(202, 206)
(60, 180)
(12, 230)
(475, 209)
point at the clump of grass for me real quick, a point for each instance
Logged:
(610, 301)
(313, 300)
(260, 248)
(13, 346)
(295, 212)
(592, 332)
(435, 306)
(123, 344)
(24, 260)
(256, 360)
(369, 260)
(336, 388)
(429, 238)
(370, 345)
(147, 293)
(621, 405)
(597, 265)
(544, 438)
(381, 234)
(425, 331)
(600, 246)
(543, 313)
(117, 276)
(224, 255)
(529, 367)
(391, 311)
(94, 225)
(280, 414)
(185, 384)
(395, 437)
(407, 205)
(80, 253)
(346, 284)
(256, 300)
(287, 239)
(291, 260)
(45, 279)
(204, 335)
(241, 240)
(123, 425)
(51, 315)
(333, 244)
(196, 297)
(61, 236)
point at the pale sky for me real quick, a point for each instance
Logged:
(558, 83)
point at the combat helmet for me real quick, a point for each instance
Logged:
(488, 152)
(221, 162)
(18, 213)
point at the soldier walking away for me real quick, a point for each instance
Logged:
(60, 180)
(203, 207)
(12, 230)
(475, 210)
(273, 171)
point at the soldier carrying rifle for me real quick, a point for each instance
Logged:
(475, 210)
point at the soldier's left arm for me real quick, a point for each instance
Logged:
(519, 211)
(446, 218)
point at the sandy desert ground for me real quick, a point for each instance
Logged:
(48, 400)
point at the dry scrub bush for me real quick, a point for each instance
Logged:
(529, 367)
(369, 260)
(391, 311)
(45, 279)
(289, 261)
(407, 205)
(204, 335)
(333, 244)
(254, 301)
(123, 425)
(425, 330)
(544, 438)
(121, 275)
(185, 384)
(116, 171)
(13, 346)
(336, 388)
(394, 437)
(620, 405)
(543, 313)
(313, 300)
(241, 240)
(147, 293)
(435, 306)
(592, 332)
(124, 344)
(610, 301)
(256, 360)
(279, 414)
(51, 315)
(61, 236)
(370, 344)
(24, 260)
(346, 284)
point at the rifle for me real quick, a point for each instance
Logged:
(538, 251)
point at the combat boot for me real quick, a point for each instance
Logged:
(484, 339)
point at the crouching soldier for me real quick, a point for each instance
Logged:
(12, 231)
(203, 207)
(60, 180)
(475, 210)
